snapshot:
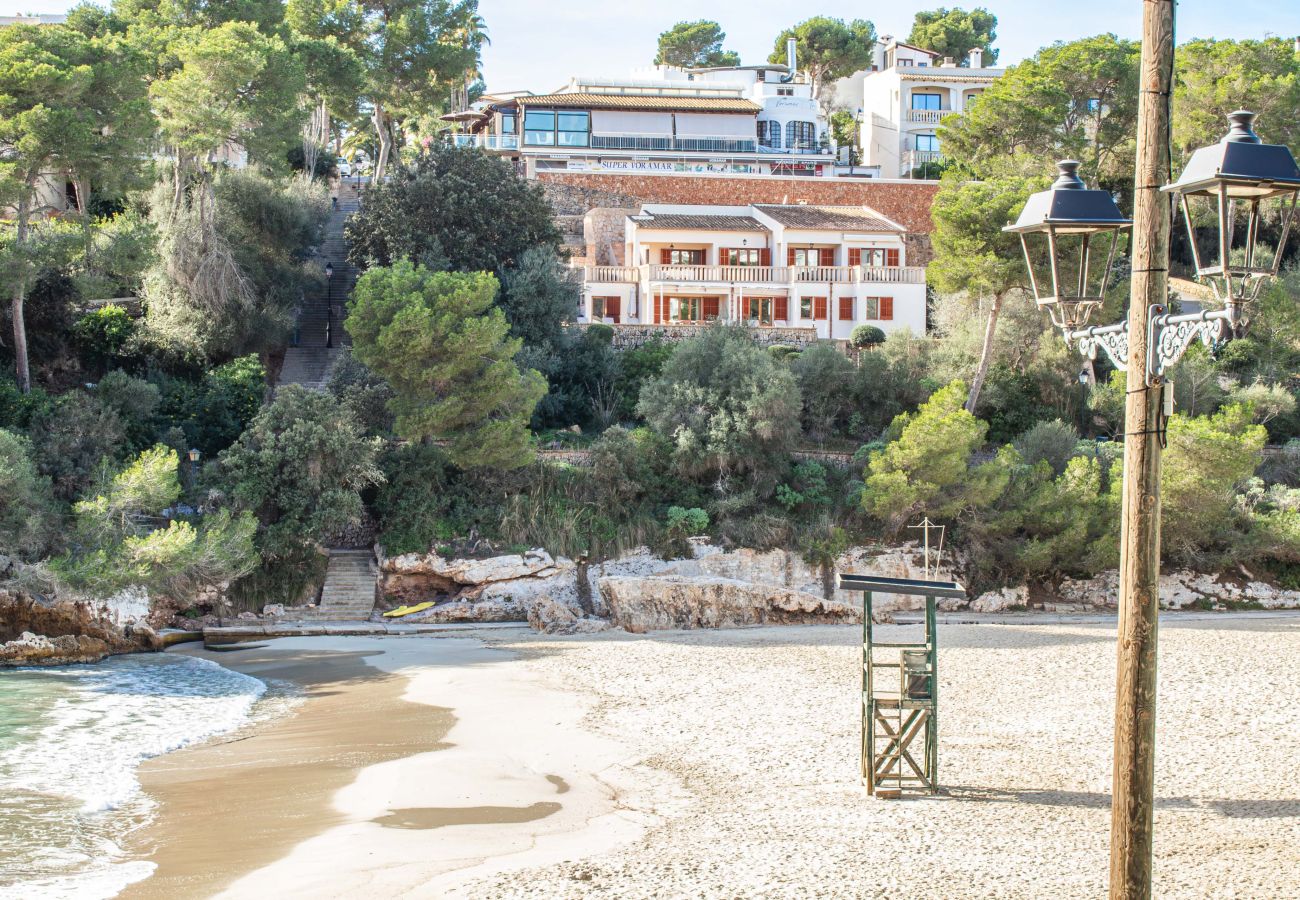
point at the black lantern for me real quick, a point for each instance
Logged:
(1070, 215)
(1232, 183)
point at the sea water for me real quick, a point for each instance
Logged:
(71, 739)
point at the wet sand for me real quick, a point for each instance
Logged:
(412, 765)
(246, 799)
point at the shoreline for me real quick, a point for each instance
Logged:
(411, 765)
(250, 795)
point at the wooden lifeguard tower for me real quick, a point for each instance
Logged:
(900, 692)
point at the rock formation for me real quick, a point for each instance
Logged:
(35, 632)
(705, 601)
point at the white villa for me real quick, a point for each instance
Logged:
(814, 272)
(747, 120)
(903, 97)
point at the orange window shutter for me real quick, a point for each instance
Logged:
(846, 309)
(665, 256)
(659, 309)
(855, 256)
(710, 307)
(611, 308)
(789, 256)
(891, 257)
(765, 256)
(886, 307)
(781, 308)
(828, 256)
(819, 308)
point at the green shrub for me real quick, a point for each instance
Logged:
(727, 406)
(214, 410)
(103, 334)
(866, 336)
(73, 439)
(136, 403)
(637, 366)
(28, 513)
(414, 502)
(822, 372)
(1051, 442)
(300, 466)
(687, 522)
(121, 539)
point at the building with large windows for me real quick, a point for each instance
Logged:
(904, 96)
(743, 120)
(805, 272)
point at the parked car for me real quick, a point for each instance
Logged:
(345, 168)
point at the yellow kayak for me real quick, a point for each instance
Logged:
(406, 610)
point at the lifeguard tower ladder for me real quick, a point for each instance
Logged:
(900, 693)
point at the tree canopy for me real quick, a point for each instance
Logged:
(1075, 100)
(828, 48)
(441, 344)
(956, 32)
(695, 45)
(452, 208)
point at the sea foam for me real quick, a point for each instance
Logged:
(71, 740)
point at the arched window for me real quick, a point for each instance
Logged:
(801, 135)
(769, 134)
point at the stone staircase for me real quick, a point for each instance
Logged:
(320, 319)
(349, 591)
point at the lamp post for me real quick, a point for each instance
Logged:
(329, 305)
(193, 455)
(1240, 172)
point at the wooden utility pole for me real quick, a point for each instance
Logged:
(1139, 563)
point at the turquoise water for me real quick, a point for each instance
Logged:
(71, 739)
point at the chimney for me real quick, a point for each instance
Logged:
(1296, 45)
(947, 63)
(790, 59)
(976, 56)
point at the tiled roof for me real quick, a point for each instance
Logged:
(646, 101)
(687, 222)
(860, 218)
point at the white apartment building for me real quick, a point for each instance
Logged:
(816, 271)
(903, 97)
(737, 120)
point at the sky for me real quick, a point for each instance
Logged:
(537, 45)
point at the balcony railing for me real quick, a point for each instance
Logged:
(672, 142)
(927, 116)
(487, 141)
(608, 274)
(775, 275)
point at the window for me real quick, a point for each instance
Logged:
(927, 142)
(672, 257)
(873, 257)
(846, 309)
(603, 308)
(736, 256)
(548, 128)
(574, 128)
(685, 309)
(905, 62)
(879, 308)
(759, 309)
(785, 92)
(539, 127)
(801, 135)
(804, 256)
(508, 123)
(926, 101)
(1094, 105)
(769, 134)
(812, 308)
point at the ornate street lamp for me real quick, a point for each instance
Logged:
(1237, 180)
(1067, 217)
(1240, 173)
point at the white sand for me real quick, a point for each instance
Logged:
(723, 764)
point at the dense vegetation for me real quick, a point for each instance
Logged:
(140, 445)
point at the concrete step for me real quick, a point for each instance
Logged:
(349, 590)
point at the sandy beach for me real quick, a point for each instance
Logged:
(723, 764)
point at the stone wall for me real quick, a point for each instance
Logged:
(604, 231)
(906, 202)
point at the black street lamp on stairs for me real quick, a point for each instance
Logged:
(329, 306)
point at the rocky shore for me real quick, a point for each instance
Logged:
(719, 588)
(38, 632)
